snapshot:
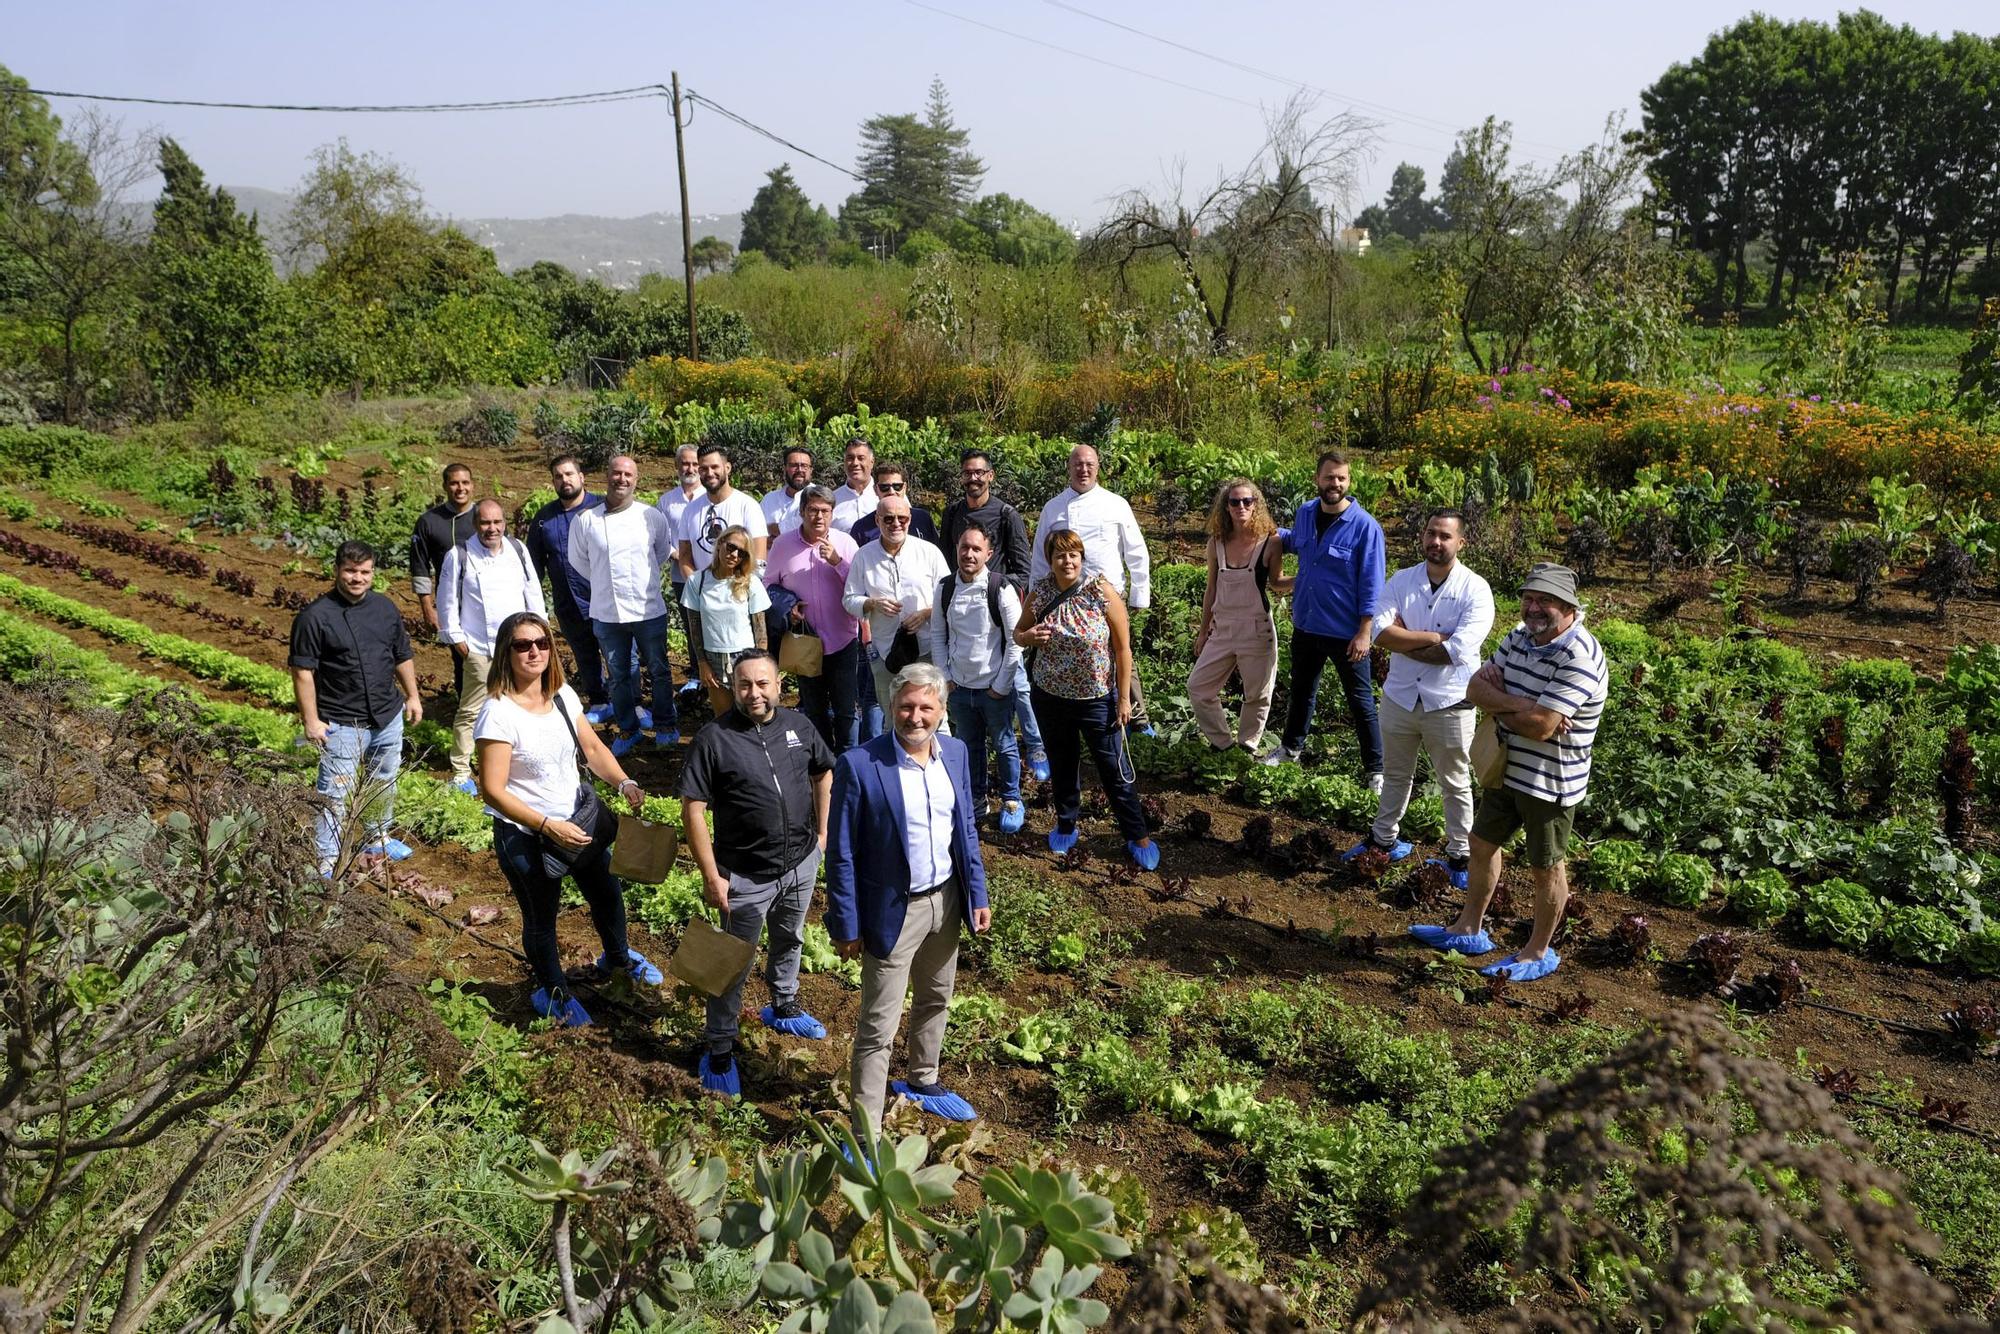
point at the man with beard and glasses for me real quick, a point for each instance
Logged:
(569, 587)
(763, 773)
(903, 874)
(781, 507)
(622, 546)
(1334, 597)
(1434, 621)
(1545, 686)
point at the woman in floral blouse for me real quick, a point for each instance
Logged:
(1080, 684)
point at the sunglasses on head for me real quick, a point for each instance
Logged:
(540, 645)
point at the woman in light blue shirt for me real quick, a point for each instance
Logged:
(726, 604)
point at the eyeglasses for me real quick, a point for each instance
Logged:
(891, 487)
(975, 472)
(530, 645)
(1247, 502)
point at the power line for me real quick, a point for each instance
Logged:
(1410, 118)
(692, 96)
(509, 104)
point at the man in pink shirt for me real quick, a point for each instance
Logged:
(810, 563)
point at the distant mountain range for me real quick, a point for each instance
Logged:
(615, 251)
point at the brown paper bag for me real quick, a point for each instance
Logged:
(643, 851)
(709, 959)
(801, 655)
(1489, 753)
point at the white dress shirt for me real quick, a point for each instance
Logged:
(477, 589)
(781, 511)
(673, 503)
(849, 505)
(972, 656)
(928, 806)
(1113, 546)
(1461, 609)
(910, 577)
(623, 554)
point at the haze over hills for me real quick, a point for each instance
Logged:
(616, 251)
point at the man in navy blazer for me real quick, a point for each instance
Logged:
(903, 871)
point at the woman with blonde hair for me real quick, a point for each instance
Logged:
(725, 604)
(547, 824)
(1246, 565)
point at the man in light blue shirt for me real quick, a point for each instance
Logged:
(1334, 599)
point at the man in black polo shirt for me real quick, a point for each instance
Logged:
(766, 775)
(356, 681)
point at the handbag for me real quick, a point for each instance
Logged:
(801, 655)
(708, 958)
(590, 815)
(1489, 753)
(907, 647)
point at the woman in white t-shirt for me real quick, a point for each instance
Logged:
(726, 604)
(528, 733)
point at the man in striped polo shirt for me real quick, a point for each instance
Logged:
(1546, 687)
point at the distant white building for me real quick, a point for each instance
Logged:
(1353, 240)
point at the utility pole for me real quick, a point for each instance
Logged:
(687, 222)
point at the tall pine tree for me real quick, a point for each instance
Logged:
(210, 291)
(917, 174)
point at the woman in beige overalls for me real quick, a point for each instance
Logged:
(1245, 567)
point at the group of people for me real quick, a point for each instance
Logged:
(933, 644)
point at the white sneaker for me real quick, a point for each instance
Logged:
(1375, 784)
(1281, 754)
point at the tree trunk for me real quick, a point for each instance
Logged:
(1775, 296)
(71, 407)
(1895, 278)
(1742, 275)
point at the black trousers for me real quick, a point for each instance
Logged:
(520, 854)
(1069, 725)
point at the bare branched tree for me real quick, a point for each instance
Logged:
(1226, 237)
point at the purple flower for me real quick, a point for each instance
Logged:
(1502, 371)
(1493, 385)
(1813, 397)
(1485, 401)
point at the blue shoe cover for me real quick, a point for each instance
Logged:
(941, 1103)
(1060, 842)
(643, 970)
(1515, 969)
(667, 737)
(804, 1026)
(1460, 880)
(1396, 853)
(624, 744)
(395, 849)
(645, 719)
(1012, 816)
(1441, 938)
(1038, 765)
(467, 786)
(1146, 729)
(689, 686)
(569, 1013)
(600, 714)
(1147, 855)
(729, 1085)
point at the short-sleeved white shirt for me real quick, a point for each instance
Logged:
(542, 771)
(725, 622)
(781, 510)
(703, 521)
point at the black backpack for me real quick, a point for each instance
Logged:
(949, 587)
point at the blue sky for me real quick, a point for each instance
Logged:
(1064, 132)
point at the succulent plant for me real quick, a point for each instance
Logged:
(1078, 1224)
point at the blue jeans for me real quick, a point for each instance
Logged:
(1073, 724)
(520, 855)
(348, 751)
(581, 637)
(869, 708)
(617, 639)
(1024, 709)
(1310, 655)
(978, 718)
(832, 698)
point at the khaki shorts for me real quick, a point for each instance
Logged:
(1503, 810)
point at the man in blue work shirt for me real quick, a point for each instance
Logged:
(1339, 587)
(569, 587)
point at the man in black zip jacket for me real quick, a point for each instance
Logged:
(1007, 534)
(449, 523)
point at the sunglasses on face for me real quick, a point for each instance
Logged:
(1247, 502)
(530, 645)
(733, 551)
(899, 520)
(891, 487)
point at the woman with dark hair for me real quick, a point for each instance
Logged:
(1081, 683)
(1246, 565)
(530, 735)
